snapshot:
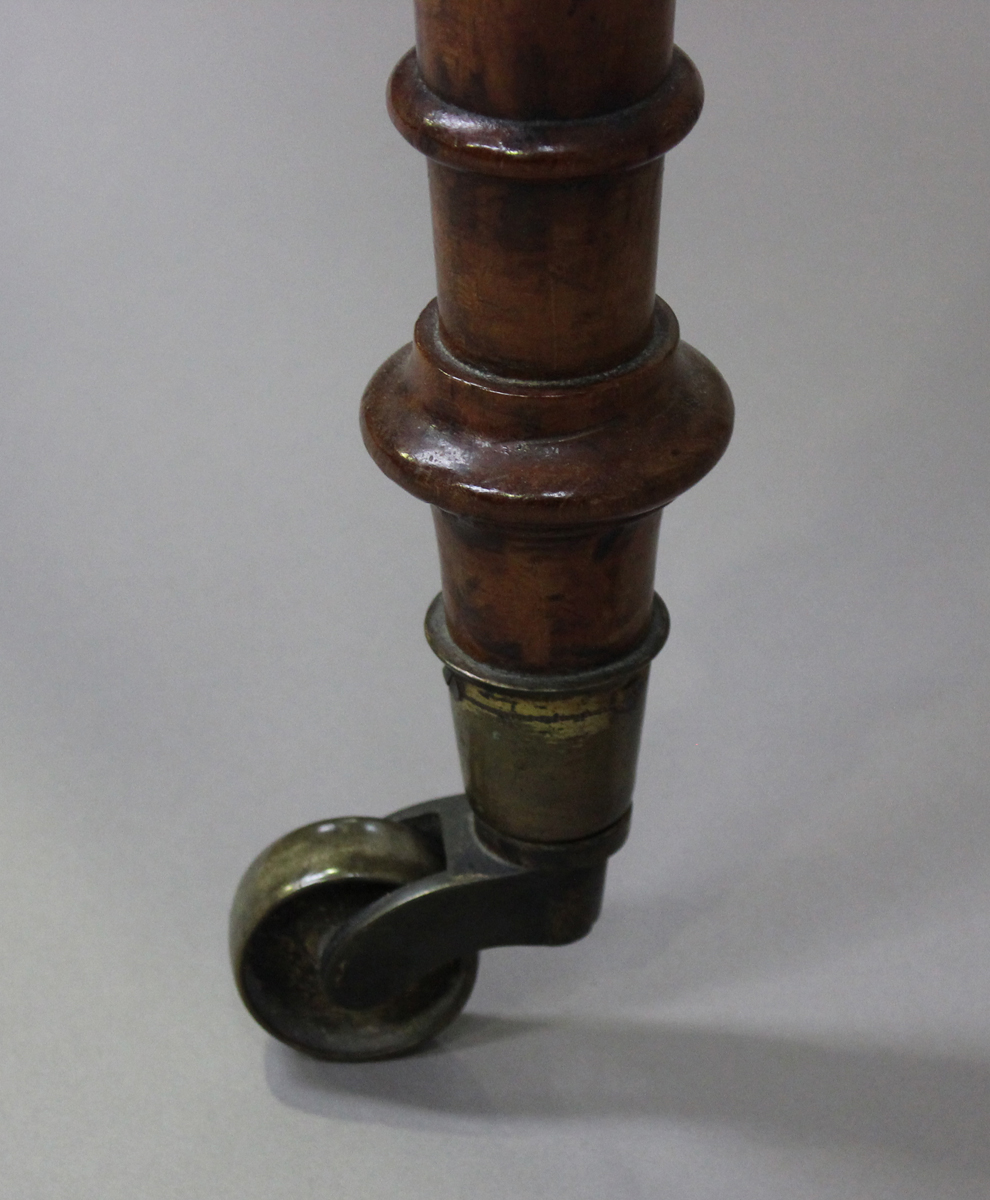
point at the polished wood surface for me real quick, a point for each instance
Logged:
(554, 58)
(547, 408)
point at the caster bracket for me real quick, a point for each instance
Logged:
(479, 900)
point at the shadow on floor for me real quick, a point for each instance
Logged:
(933, 1108)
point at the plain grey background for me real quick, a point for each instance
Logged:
(211, 607)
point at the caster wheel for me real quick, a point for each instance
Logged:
(290, 903)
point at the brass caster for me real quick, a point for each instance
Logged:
(291, 902)
(358, 938)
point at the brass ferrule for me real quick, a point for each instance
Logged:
(548, 758)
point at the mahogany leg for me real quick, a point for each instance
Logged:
(547, 410)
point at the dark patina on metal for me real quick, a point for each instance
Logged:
(358, 938)
(292, 900)
(548, 757)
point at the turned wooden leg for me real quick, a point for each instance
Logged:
(547, 410)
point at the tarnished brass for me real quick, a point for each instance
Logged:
(292, 900)
(548, 758)
(483, 897)
(548, 768)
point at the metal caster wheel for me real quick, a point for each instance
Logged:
(292, 902)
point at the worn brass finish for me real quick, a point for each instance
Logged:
(548, 768)
(292, 899)
(548, 758)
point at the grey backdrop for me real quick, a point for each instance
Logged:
(211, 606)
